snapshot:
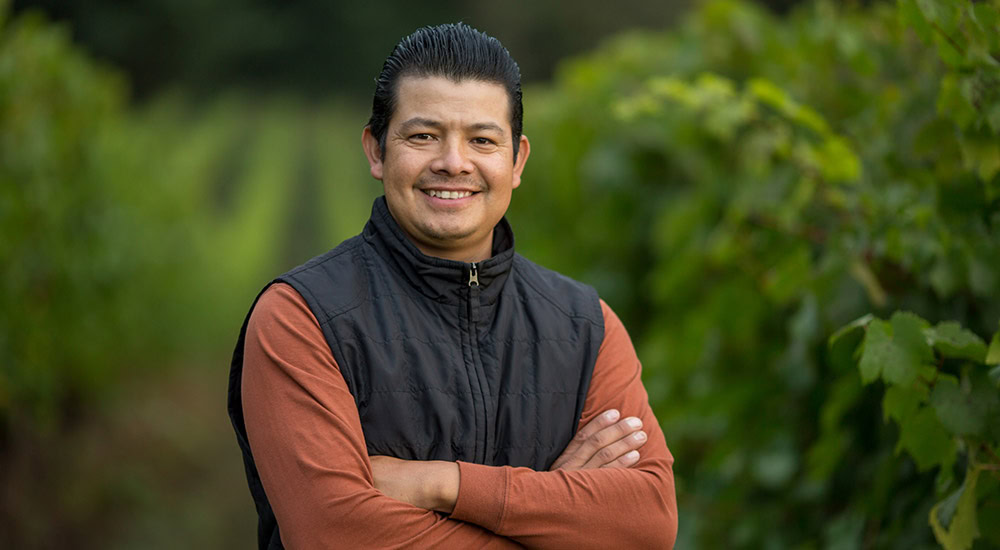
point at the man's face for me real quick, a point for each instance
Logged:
(449, 167)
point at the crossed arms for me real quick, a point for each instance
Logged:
(309, 448)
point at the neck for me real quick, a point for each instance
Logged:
(475, 253)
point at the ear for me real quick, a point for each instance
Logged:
(523, 150)
(373, 152)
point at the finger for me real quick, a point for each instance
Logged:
(569, 457)
(607, 436)
(612, 452)
(627, 460)
(602, 421)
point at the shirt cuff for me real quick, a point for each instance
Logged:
(482, 495)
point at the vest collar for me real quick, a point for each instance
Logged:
(437, 278)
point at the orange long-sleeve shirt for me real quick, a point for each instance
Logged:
(309, 448)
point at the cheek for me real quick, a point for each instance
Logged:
(403, 169)
(502, 178)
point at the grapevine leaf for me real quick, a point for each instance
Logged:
(951, 340)
(927, 441)
(993, 354)
(944, 510)
(956, 410)
(908, 333)
(844, 330)
(895, 350)
(901, 403)
(985, 402)
(954, 519)
(877, 350)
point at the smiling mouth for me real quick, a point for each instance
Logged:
(447, 195)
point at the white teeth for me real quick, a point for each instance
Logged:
(448, 194)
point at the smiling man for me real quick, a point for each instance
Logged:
(422, 385)
(448, 165)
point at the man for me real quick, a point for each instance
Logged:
(421, 385)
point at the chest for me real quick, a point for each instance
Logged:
(497, 383)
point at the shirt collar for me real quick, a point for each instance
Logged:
(437, 278)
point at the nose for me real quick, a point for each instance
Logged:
(453, 159)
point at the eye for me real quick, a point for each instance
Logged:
(421, 137)
(483, 141)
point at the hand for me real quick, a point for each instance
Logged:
(603, 443)
(431, 484)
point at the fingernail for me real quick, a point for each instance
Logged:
(632, 455)
(634, 422)
(640, 436)
(611, 415)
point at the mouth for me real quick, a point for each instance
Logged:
(447, 195)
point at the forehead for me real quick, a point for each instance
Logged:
(451, 102)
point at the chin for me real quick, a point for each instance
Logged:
(445, 237)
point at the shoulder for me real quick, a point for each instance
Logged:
(571, 297)
(330, 262)
(280, 308)
(616, 338)
(333, 282)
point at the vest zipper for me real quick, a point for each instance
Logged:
(482, 447)
(473, 275)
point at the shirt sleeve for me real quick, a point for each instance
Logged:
(598, 508)
(306, 438)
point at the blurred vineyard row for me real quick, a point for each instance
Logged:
(143, 233)
(738, 189)
(133, 241)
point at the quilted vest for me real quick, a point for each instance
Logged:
(484, 362)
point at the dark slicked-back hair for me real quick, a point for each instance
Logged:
(455, 51)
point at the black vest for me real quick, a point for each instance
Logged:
(443, 368)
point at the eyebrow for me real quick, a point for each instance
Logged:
(430, 123)
(487, 126)
(417, 121)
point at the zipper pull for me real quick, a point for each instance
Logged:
(474, 275)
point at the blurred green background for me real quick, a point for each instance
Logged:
(738, 179)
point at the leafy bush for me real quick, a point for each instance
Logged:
(132, 240)
(739, 189)
(134, 237)
(947, 408)
(91, 241)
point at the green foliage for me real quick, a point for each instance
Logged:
(993, 354)
(82, 233)
(740, 188)
(947, 412)
(966, 37)
(897, 351)
(954, 519)
(129, 235)
(133, 240)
